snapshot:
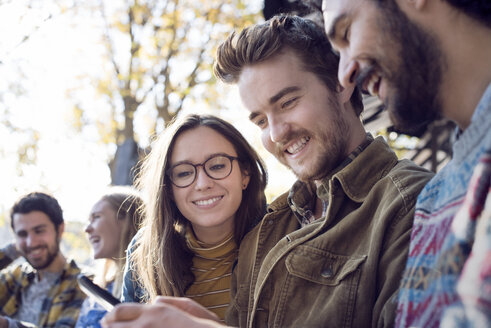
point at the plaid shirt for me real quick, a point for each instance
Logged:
(60, 308)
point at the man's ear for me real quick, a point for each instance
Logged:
(61, 229)
(344, 94)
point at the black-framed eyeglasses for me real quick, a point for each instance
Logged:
(217, 167)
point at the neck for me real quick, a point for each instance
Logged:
(358, 137)
(466, 47)
(211, 237)
(56, 266)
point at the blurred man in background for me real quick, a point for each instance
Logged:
(43, 291)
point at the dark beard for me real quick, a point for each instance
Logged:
(417, 81)
(52, 254)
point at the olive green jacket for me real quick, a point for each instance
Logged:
(341, 270)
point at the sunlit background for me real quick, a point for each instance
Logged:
(57, 122)
(79, 78)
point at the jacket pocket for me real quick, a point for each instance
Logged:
(317, 289)
(320, 266)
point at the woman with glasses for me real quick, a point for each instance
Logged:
(205, 190)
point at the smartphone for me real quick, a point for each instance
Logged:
(102, 296)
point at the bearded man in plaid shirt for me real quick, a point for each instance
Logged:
(43, 291)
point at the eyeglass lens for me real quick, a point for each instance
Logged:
(218, 167)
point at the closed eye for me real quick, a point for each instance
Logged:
(260, 122)
(289, 103)
(184, 174)
(217, 167)
(347, 33)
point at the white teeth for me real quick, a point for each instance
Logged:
(372, 83)
(207, 202)
(297, 146)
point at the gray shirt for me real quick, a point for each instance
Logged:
(32, 300)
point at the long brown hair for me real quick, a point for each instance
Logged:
(162, 259)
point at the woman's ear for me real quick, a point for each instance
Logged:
(246, 177)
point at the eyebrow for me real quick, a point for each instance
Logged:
(33, 228)
(207, 158)
(275, 98)
(332, 30)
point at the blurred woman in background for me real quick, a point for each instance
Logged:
(113, 222)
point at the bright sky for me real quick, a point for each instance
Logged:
(71, 165)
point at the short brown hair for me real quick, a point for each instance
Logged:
(260, 42)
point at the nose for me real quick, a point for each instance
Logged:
(89, 228)
(278, 129)
(348, 70)
(31, 240)
(203, 181)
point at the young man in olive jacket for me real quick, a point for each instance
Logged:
(330, 252)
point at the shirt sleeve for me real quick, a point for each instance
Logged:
(7, 255)
(132, 290)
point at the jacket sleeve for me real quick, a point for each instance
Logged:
(391, 267)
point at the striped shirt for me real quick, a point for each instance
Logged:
(212, 268)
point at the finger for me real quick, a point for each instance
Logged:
(124, 312)
(187, 305)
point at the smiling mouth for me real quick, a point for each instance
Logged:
(298, 146)
(36, 252)
(94, 240)
(373, 84)
(207, 202)
(369, 81)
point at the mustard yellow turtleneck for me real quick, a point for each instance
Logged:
(212, 268)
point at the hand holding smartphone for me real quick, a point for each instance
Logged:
(102, 296)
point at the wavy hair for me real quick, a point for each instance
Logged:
(261, 42)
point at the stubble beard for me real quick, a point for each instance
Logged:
(50, 257)
(332, 143)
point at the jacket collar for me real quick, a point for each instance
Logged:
(29, 273)
(357, 178)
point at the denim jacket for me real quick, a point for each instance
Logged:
(341, 270)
